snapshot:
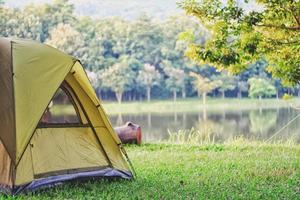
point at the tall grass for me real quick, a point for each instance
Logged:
(207, 136)
(191, 136)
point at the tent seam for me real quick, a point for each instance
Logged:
(14, 113)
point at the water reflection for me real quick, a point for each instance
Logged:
(262, 123)
(217, 126)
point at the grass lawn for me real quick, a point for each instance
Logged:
(239, 170)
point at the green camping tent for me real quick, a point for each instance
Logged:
(52, 125)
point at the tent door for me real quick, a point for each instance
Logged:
(58, 151)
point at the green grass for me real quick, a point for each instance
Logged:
(239, 170)
(192, 105)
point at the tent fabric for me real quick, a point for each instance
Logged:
(50, 145)
(102, 130)
(5, 167)
(34, 156)
(82, 78)
(7, 122)
(38, 72)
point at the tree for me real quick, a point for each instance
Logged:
(93, 55)
(203, 85)
(67, 39)
(242, 33)
(175, 80)
(227, 82)
(242, 86)
(260, 87)
(144, 39)
(20, 23)
(148, 77)
(278, 86)
(96, 81)
(118, 78)
(93, 78)
(58, 12)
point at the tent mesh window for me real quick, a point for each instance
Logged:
(61, 111)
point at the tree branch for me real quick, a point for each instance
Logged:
(296, 28)
(285, 43)
(297, 20)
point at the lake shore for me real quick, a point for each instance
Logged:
(239, 170)
(193, 105)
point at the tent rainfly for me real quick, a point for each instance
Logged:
(52, 125)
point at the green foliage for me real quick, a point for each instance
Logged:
(118, 77)
(20, 24)
(226, 82)
(60, 11)
(175, 77)
(203, 84)
(104, 42)
(148, 77)
(287, 97)
(66, 39)
(260, 87)
(240, 34)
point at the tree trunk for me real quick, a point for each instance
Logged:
(277, 94)
(223, 94)
(100, 94)
(174, 95)
(199, 94)
(298, 93)
(183, 93)
(259, 97)
(133, 96)
(239, 94)
(148, 94)
(204, 98)
(119, 96)
(129, 96)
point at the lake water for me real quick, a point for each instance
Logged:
(217, 126)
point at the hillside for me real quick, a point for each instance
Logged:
(128, 9)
